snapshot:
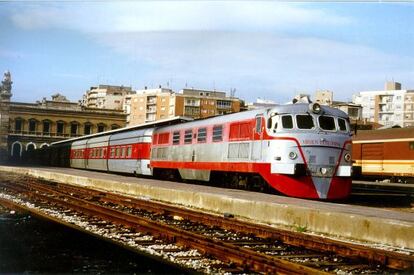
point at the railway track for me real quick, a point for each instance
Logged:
(200, 241)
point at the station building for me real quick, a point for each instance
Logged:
(28, 126)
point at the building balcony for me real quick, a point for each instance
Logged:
(224, 107)
(192, 104)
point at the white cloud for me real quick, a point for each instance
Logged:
(172, 16)
(265, 64)
(224, 44)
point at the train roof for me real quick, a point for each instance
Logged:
(169, 121)
(384, 134)
(298, 108)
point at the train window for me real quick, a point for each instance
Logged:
(258, 125)
(118, 152)
(202, 135)
(305, 121)
(123, 152)
(188, 136)
(218, 133)
(327, 123)
(129, 151)
(342, 124)
(112, 152)
(287, 122)
(176, 137)
(163, 138)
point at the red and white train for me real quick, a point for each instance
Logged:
(301, 150)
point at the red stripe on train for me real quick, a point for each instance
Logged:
(138, 151)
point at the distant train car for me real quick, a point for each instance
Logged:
(384, 154)
(123, 152)
(301, 150)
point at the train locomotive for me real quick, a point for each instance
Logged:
(300, 150)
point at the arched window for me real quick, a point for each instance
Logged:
(60, 128)
(32, 126)
(87, 128)
(46, 125)
(44, 145)
(17, 148)
(74, 128)
(115, 126)
(101, 127)
(30, 146)
(18, 125)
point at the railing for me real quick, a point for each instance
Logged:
(193, 104)
(41, 134)
(223, 106)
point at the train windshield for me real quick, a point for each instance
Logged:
(305, 121)
(327, 123)
(287, 122)
(342, 124)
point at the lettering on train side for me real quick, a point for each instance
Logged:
(320, 142)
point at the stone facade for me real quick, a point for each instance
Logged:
(28, 126)
(34, 125)
(5, 95)
(4, 128)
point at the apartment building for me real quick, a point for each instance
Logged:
(161, 103)
(106, 97)
(151, 104)
(197, 103)
(324, 97)
(390, 107)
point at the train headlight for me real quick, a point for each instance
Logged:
(347, 157)
(293, 155)
(315, 108)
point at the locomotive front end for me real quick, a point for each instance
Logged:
(310, 152)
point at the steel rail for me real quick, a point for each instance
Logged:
(386, 258)
(246, 258)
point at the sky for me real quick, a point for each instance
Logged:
(263, 49)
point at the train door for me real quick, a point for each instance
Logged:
(87, 145)
(257, 140)
(372, 157)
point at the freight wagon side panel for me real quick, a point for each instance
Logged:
(372, 158)
(399, 158)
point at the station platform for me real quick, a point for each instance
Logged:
(337, 220)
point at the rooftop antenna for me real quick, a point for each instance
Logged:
(232, 92)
